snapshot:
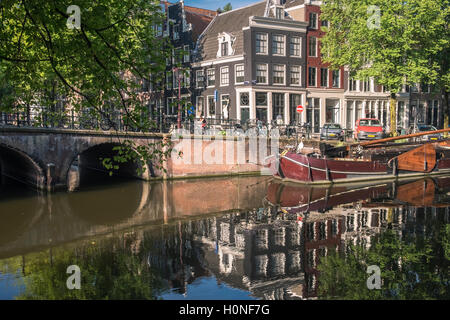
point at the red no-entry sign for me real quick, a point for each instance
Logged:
(299, 109)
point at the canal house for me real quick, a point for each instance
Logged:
(250, 64)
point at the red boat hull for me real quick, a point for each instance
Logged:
(307, 169)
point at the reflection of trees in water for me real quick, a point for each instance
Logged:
(111, 269)
(413, 266)
(262, 251)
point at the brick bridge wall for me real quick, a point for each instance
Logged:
(45, 158)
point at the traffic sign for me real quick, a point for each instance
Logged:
(299, 109)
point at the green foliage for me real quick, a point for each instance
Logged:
(49, 72)
(410, 46)
(227, 7)
(109, 270)
(409, 269)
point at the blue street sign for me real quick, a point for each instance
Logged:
(216, 95)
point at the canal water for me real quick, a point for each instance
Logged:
(228, 238)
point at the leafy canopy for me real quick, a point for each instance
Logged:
(101, 62)
(395, 42)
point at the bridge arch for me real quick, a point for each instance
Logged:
(18, 165)
(89, 159)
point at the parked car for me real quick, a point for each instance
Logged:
(426, 127)
(369, 129)
(332, 131)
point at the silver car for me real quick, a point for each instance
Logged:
(331, 131)
(428, 137)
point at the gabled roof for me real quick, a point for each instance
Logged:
(293, 3)
(230, 22)
(199, 18)
(205, 12)
(199, 23)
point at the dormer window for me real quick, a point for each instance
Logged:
(224, 49)
(279, 13)
(225, 45)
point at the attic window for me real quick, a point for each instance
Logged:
(279, 13)
(224, 49)
(225, 45)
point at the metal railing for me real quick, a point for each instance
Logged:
(161, 124)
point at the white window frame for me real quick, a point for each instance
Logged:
(196, 78)
(315, 78)
(284, 77)
(283, 54)
(226, 46)
(221, 73)
(207, 78)
(176, 35)
(309, 47)
(186, 78)
(267, 99)
(235, 73)
(339, 82)
(328, 78)
(197, 104)
(266, 40)
(208, 115)
(299, 75)
(278, 9)
(186, 57)
(352, 88)
(316, 20)
(169, 82)
(267, 73)
(229, 103)
(299, 45)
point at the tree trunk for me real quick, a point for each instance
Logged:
(393, 114)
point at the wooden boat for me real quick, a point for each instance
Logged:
(297, 198)
(365, 162)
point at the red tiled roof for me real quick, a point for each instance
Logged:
(199, 23)
(206, 12)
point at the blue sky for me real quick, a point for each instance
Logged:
(214, 4)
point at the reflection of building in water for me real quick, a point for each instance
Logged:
(270, 254)
(255, 251)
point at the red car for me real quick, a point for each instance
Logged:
(369, 128)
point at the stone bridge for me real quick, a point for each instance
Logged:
(50, 158)
(55, 158)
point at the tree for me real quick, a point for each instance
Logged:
(93, 55)
(110, 269)
(411, 268)
(394, 41)
(227, 7)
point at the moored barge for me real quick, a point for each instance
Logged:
(373, 162)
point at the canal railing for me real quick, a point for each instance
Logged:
(163, 124)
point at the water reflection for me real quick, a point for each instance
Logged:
(238, 238)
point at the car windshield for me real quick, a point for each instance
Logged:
(426, 128)
(369, 122)
(332, 126)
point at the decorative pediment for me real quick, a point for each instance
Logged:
(226, 43)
